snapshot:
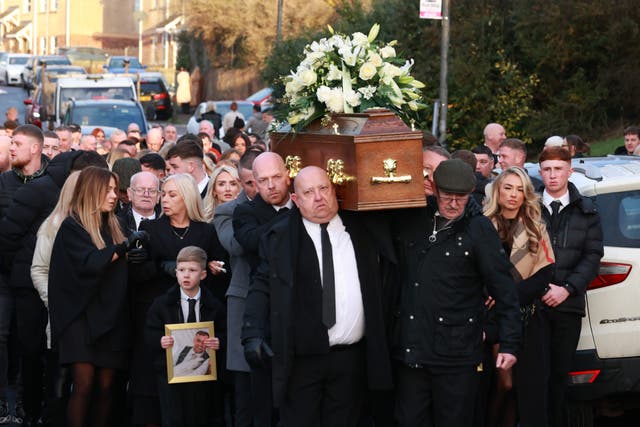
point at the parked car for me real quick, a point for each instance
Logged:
(12, 66)
(154, 96)
(118, 65)
(32, 68)
(32, 113)
(607, 362)
(222, 107)
(53, 72)
(108, 114)
(263, 97)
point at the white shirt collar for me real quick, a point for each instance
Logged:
(203, 184)
(547, 199)
(138, 217)
(288, 205)
(187, 297)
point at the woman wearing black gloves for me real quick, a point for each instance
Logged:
(514, 209)
(87, 295)
(182, 224)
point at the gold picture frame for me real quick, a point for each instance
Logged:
(185, 365)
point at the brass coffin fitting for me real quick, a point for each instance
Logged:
(390, 167)
(335, 170)
(293, 164)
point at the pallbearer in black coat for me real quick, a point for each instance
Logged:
(318, 284)
(87, 295)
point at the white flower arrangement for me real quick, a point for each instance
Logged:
(347, 74)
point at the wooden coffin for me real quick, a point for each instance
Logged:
(374, 159)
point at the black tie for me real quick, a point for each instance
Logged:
(555, 209)
(192, 310)
(328, 280)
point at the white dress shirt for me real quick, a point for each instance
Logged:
(349, 327)
(288, 205)
(547, 199)
(138, 218)
(184, 303)
(203, 184)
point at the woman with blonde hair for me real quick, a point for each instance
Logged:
(224, 186)
(44, 245)
(514, 209)
(182, 224)
(88, 295)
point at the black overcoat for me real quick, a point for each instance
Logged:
(271, 294)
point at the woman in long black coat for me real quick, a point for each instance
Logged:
(88, 295)
(181, 225)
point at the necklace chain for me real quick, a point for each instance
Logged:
(179, 236)
(433, 237)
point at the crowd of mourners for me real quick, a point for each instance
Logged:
(465, 312)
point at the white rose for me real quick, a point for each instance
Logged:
(367, 71)
(308, 77)
(335, 101)
(350, 59)
(293, 86)
(375, 59)
(388, 52)
(352, 97)
(359, 39)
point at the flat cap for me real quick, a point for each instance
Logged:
(454, 176)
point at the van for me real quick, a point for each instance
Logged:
(94, 87)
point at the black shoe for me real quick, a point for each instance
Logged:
(5, 418)
(19, 414)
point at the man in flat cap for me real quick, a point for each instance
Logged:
(448, 253)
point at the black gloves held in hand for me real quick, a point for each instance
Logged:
(256, 351)
(138, 255)
(137, 239)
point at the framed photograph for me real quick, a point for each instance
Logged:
(187, 360)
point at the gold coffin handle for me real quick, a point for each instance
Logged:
(293, 165)
(335, 170)
(390, 166)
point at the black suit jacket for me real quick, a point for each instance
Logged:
(271, 294)
(251, 220)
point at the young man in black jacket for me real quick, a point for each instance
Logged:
(574, 227)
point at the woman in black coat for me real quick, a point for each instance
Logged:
(181, 225)
(87, 295)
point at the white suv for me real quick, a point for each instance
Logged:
(607, 362)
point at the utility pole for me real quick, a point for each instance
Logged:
(279, 22)
(444, 68)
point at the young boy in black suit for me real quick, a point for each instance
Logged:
(186, 404)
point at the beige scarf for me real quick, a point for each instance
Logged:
(525, 262)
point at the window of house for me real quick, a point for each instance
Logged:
(54, 5)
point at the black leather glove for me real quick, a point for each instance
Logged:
(138, 255)
(256, 351)
(169, 267)
(137, 239)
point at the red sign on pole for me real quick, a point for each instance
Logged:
(431, 9)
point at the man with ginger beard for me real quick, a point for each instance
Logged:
(318, 290)
(251, 220)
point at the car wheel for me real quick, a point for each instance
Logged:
(580, 414)
(6, 79)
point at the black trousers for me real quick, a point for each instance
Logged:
(31, 321)
(326, 390)
(433, 396)
(262, 397)
(532, 372)
(564, 335)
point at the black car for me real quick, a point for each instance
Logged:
(155, 97)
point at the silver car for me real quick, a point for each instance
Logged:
(11, 67)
